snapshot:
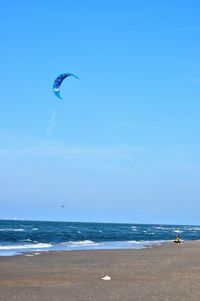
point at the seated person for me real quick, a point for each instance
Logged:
(177, 239)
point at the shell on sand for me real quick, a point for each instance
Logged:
(106, 278)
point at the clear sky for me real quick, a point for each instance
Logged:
(123, 145)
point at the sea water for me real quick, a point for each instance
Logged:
(17, 237)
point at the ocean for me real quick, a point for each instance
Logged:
(20, 237)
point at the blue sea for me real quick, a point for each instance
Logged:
(21, 237)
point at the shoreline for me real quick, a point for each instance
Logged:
(118, 245)
(165, 272)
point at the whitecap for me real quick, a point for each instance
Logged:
(161, 228)
(12, 230)
(192, 229)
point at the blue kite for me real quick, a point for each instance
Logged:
(58, 81)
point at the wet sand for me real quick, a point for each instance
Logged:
(167, 272)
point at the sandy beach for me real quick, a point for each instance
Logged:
(167, 272)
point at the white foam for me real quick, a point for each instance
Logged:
(31, 246)
(12, 230)
(108, 245)
(193, 229)
(161, 228)
(82, 243)
(134, 229)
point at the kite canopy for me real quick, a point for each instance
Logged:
(58, 81)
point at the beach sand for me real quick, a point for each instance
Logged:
(167, 272)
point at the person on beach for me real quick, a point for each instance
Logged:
(177, 239)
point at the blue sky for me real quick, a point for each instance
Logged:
(123, 144)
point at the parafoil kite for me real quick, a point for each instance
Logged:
(58, 81)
